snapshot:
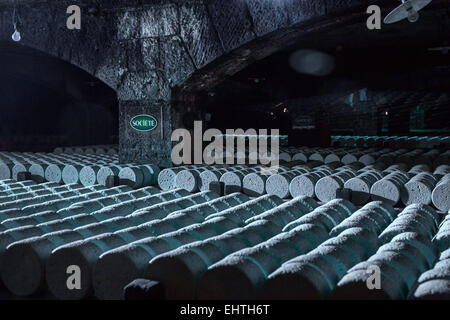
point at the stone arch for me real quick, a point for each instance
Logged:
(44, 28)
(66, 95)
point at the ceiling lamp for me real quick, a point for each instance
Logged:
(16, 36)
(408, 9)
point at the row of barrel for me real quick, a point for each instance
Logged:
(395, 184)
(393, 176)
(86, 169)
(50, 166)
(348, 244)
(345, 155)
(391, 141)
(210, 247)
(109, 149)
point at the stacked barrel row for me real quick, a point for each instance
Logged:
(435, 283)
(43, 226)
(77, 233)
(49, 166)
(365, 156)
(310, 256)
(326, 155)
(391, 141)
(403, 182)
(406, 263)
(48, 229)
(246, 149)
(87, 233)
(205, 246)
(398, 177)
(350, 249)
(87, 169)
(97, 149)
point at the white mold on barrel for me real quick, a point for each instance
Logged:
(326, 187)
(140, 176)
(435, 283)
(401, 262)
(179, 239)
(389, 188)
(351, 157)
(278, 184)
(166, 178)
(327, 216)
(318, 156)
(23, 274)
(287, 212)
(300, 156)
(240, 275)
(304, 185)
(315, 274)
(88, 175)
(374, 216)
(286, 157)
(208, 176)
(105, 171)
(233, 180)
(418, 189)
(87, 252)
(441, 171)
(442, 238)
(180, 270)
(189, 179)
(418, 218)
(38, 169)
(109, 282)
(53, 172)
(334, 157)
(361, 186)
(254, 184)
(19, 167)
(71, 173)
(5, 170)
(441, 194)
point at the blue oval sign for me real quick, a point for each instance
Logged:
(144, 122)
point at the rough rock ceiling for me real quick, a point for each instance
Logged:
(432, 30)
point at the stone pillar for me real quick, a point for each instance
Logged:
(153, 61)
(152, 146)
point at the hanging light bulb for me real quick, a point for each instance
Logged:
(413, 15)
(16, 35)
